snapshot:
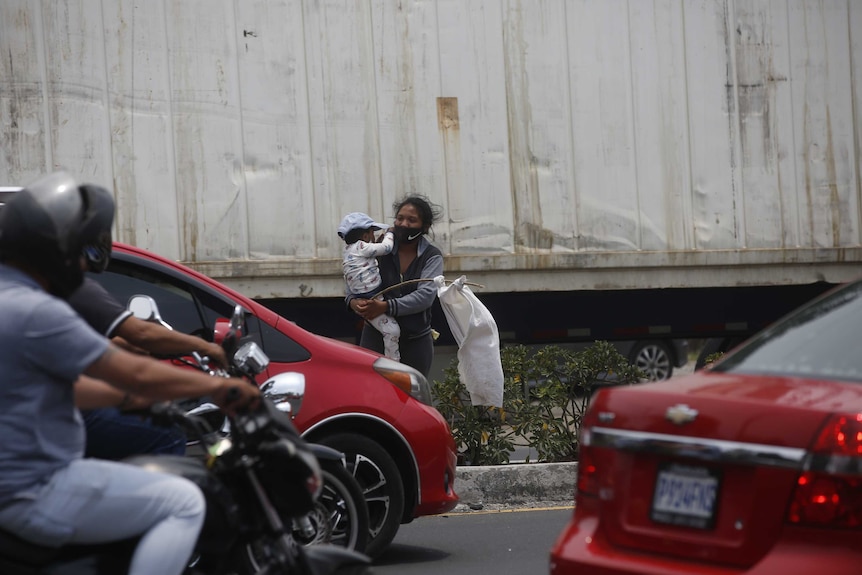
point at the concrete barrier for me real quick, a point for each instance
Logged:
(518, 484)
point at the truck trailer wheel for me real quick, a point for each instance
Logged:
(653, 358)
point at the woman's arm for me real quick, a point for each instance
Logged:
(425, 294)
(414, 302)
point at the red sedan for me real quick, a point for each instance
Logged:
(753, 466)
(373, 409)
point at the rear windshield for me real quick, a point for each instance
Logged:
(821, 340)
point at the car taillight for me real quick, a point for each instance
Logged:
(842, 435)
(829, 492)
(588, 481)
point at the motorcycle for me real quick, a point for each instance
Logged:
(339, 515)
(261, 473)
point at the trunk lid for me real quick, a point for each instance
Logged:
(704, 467)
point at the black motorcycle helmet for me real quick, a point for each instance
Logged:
(42, 225)
(96, 231)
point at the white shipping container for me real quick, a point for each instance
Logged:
(572, 144)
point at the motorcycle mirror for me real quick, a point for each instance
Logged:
(145, 308)
(236, 320)
(285, 390)
(229, 330)
(227, 333)
(220, 330)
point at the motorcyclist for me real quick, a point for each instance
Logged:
(112, 434)
(50, 494)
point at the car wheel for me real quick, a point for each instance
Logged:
(653, 358)
(380, 480)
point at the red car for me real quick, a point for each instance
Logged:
(753, 466)
(377, 411)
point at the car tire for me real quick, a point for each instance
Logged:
(654, 358)
(380, 480)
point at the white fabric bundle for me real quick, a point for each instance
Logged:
(478, 340)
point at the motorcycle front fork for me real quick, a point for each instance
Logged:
(290, 553)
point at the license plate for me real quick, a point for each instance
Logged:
(686, 496)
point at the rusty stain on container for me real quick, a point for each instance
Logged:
(450, 130)
(537, 236)
(834, 197)
(755, 84)
(447, 114)
(806, 165)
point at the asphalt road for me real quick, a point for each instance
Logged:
(514, 542)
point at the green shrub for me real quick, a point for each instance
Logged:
(545, 394)
(481, 432)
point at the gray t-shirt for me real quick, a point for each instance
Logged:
(44, 347)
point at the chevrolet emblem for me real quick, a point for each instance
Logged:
(680, 413)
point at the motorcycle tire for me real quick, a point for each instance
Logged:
(252, 560)
(340, 516)
(381, 484)
(253, 557)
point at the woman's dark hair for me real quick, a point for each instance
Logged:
(428, 211)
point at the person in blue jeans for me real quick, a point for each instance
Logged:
(49, 493)
(112, 434)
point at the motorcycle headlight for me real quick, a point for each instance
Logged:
(218, 449)
(250, 358)
(404, 378)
